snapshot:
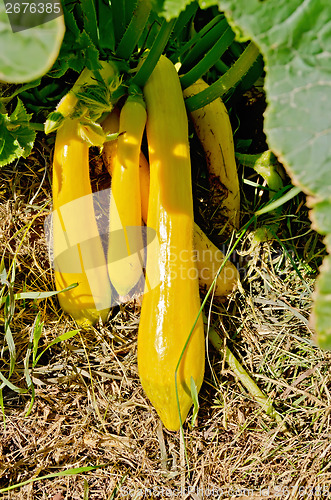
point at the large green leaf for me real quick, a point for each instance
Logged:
(28, 54)
(16, 136)
(170, 8)
(294, 37)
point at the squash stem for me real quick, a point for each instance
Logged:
(118, 17)
(204, 44)
(198, 36)
(227, 81)
(183, 23)
(133, 32)
(208, 60)
(129, 7)
(154, 54)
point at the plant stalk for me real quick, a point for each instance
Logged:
(198, 35)
(134, 30)
(227, 81)
(244, 378)
(203, 45)
(118, 15)
(154, 54)
(208, 60)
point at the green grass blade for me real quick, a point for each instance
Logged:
(64, 336)
(11, 346)
(33, 394)
(68, 472)
(195, 399)
(269, 207)
(37, 331)
(86, 490)
(11, 386)
(41, 295)
(27, 357)
(2, 410)
(117, 487)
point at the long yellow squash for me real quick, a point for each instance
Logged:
(213, 128)
(111, 125)
(125, 261)
(171, 302)
(67, 105)
(208, 257)
(78, 253)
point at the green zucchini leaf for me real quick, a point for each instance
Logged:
(16, 135)
(170, 8)
(294, 37)
(28, 54)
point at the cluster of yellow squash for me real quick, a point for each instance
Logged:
(159, 192)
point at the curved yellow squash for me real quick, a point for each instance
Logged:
(125, 263)
(78, 253)
(171, 302)
(110, 125)
(207, 256)
(213, 128)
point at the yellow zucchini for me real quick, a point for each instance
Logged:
(144, 185)
(171, 306)
(110, 125)
(125, 263)
(207, 256)
(213, 128)
(68, 104)
(209, 259)
(78, 253)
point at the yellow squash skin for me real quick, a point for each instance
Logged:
(144, 185)
(209, 259)
(110, 125)
(74, 226)
(125, 263)
(67, 104)
(213, 128)
(171, 301)
(207, 256)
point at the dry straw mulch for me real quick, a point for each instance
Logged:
(90, 410)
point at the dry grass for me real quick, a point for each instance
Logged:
(90, 409)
